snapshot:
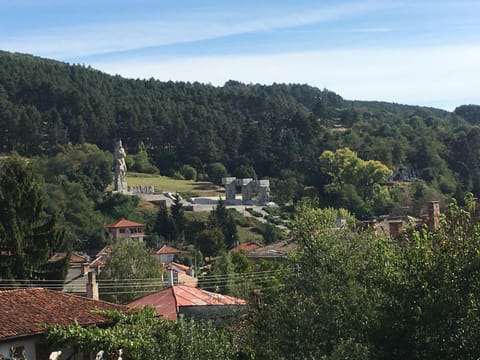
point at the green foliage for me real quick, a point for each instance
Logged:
(253, 212)
(471, 113)
(271, 234)
(115, 206)
(234, 274)
(284, 191)
(84, 164)
(178, 218)
(274, 131)
(28, 236)
(210, 242)
(129, 263)
(358, 295)
(438, 291)
(82, 225)
(358, 184)
(188, 172)
(170, 224)
(140, 162)
(216, 171)
(245, 172)
(143, 335)
(164, 225)
(222, 219)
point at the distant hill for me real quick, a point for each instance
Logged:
(277, 131)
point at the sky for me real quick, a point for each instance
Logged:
(424, 52)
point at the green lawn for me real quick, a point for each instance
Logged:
(246, 234)
(166, 184)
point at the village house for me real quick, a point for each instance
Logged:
(166, 254)
(79, 266)
(25, 314)
(182, 301)
(394, 226)
(181, 274)
(127, 230)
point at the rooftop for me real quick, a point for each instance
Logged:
(167, 302)
(165, 249)
(246, 246)
(279, 249)
(25, 312)
(124, 223)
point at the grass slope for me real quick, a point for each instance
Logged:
(166, 184)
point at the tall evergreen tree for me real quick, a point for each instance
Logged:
(222, 219)
(178, 217)
(28, 236)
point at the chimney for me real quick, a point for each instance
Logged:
(92, 286)
(85, 268)
(395, 228)
(433, 215)
(170, 278)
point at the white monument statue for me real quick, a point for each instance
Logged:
(120, 183)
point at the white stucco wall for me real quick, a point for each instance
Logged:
(27, 343)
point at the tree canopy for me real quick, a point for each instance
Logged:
(277, 131)
(28, 235)
(358, 295)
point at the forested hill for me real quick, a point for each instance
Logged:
(277, 131)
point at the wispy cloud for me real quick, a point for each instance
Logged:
(158, 30)
(437, 76)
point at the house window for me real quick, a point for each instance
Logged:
(122, 231)
(17, 352)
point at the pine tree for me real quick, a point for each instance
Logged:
(222, 219)
(28, 236)
(178, 217)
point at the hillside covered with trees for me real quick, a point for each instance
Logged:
(278, 131)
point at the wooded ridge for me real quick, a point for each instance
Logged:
(277, 131)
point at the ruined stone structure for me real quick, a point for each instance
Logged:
(142, 189)
(248, 188)
(120, 182)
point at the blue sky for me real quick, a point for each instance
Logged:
(414, 52)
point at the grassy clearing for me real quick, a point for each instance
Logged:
(246, 234)
(166, 184)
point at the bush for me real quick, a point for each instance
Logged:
(216, 171)
(254, 213)
(188, 172)
(177, 176)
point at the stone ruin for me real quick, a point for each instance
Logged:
(248, 187)
(142, 189)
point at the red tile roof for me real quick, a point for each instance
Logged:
(124, 223)
(279, 249)
(75, 258)
(247, 246)
(177, 267)
(25, 312)
(167, 302)
(165, 249)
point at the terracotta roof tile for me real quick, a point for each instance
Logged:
(177, 267)
(124, 223)
(247, 246)
(168, 301)
(165, 249)
(25, 312)
(279, 249)
(75, 258)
